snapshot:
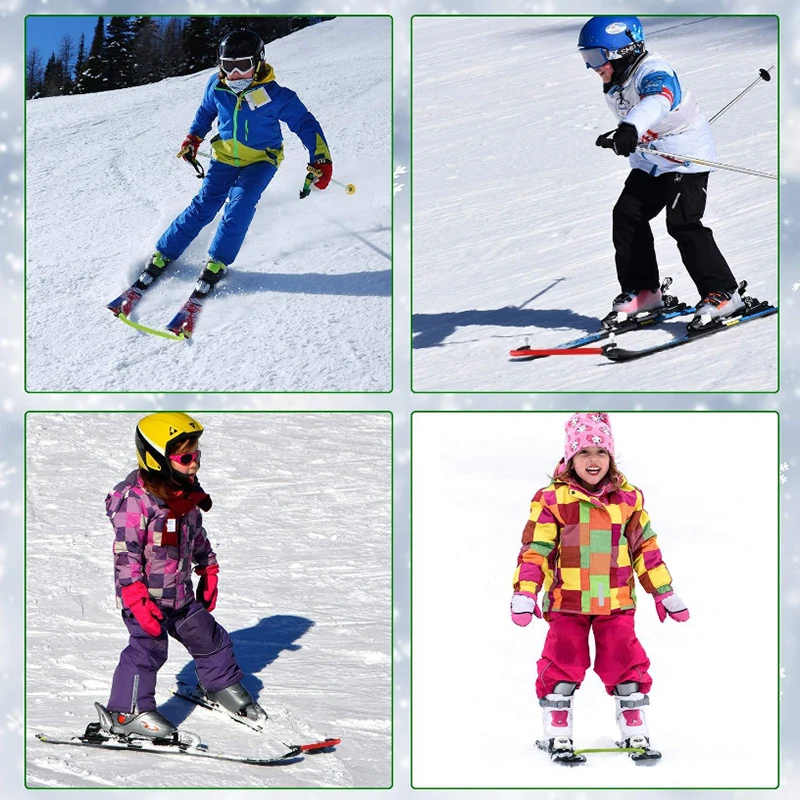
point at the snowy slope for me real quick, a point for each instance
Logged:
(715, 677)
(512, 204)
(301, 525)
(307, 304)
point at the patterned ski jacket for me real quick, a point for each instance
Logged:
(154, 546)
(584, 548)
(666, 117)
(248, 124)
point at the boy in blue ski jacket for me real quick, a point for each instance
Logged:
(249, 105)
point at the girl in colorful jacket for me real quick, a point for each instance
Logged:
(158, 535)
(249, 105)
(587, 534)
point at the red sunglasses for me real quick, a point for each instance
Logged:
(185, 458)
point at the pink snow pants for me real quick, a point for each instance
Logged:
(619, 656)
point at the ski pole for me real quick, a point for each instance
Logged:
(605, 140)
(763, 75)
(313, 174)
(685, 160)
(186, 154)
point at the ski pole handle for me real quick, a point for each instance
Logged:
(605, 140)
(349, 188)
(186, 154)
(763, 75)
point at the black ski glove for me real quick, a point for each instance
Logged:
(625, 139)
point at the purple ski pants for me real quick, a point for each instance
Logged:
(207, 642)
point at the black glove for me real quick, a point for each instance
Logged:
(625, 139)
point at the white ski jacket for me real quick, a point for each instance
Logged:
(665, 115)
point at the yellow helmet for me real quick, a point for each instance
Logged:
(157, 435)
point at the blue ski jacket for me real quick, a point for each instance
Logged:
(248, 124)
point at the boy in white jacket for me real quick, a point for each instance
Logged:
(656, 110)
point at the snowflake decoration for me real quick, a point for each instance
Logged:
(399, 170)
(796, 286)
(784, 468)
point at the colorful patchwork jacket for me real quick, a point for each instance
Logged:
(584, 548)
(153, 546)
(248, 124)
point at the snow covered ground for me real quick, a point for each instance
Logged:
(302, 528)
(307, 304)
(715, 677)
(512, 204)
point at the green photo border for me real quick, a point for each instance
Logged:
(503, 354)
(650, 775)
(131, 413)
(390, 338)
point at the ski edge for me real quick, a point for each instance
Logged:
(292, 756)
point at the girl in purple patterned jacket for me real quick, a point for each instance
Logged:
(158, 535)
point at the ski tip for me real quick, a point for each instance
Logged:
(325, 744)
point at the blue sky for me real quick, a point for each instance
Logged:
(46, 32)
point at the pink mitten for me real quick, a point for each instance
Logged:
(146, 612)
(670, 603)
(523, 608)
(207, 587)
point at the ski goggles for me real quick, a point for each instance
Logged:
(185, 458)
(231, 65)
(595, 57)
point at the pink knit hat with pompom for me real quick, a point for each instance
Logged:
(588, 429)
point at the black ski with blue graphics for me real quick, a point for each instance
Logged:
(753, 310)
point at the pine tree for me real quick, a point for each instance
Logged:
(118, 56)
(80, 62)
(172, 47)
(199, 50)
(146, 51)
(34, 73)
(66, 51)
(91, 76)
(52, 77)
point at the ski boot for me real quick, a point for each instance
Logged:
(130, 297)
(639, 303)
(557, 725)
(184, 321)
(237, 701)
(126, 726)
(632, 725)
(147, 724)
(719, 306)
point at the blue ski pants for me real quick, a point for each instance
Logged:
(242, 187)
(205, 639)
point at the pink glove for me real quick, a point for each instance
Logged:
(670, 603)
(146, 612)
(523, 607)
(207, 587)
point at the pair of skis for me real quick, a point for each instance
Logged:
(753, 309)
(180, 327)
(95, 737)
(566, 756)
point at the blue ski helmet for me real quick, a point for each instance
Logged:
(604, 39)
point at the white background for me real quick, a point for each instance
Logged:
(709, 485)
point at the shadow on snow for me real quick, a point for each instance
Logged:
(255, 648)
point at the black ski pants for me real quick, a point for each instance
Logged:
(683, 194)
